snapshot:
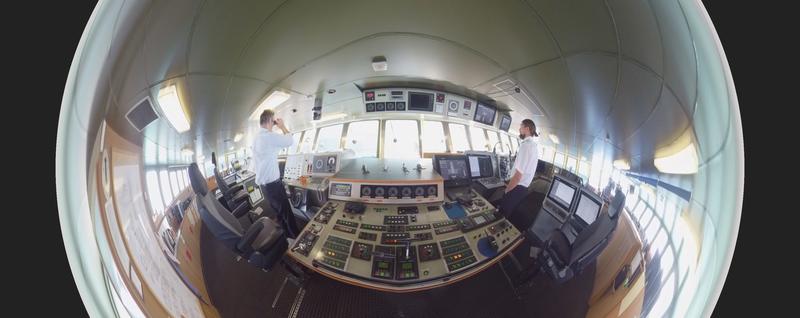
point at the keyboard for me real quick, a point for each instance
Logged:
(555, 210)
(491, 182)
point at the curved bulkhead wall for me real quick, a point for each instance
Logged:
(638, 80)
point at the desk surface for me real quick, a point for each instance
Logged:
(404, 247)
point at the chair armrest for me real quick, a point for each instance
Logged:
(556, 246)
(241, 209)
(232, 191)
(245, 244)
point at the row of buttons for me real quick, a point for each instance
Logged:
(383, 106)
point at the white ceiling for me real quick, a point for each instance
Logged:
(621, 68)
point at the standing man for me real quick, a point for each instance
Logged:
(523, 170)
(266, 146)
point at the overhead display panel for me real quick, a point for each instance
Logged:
(418, 101)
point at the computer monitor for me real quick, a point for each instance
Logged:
(480, 166)
(484, 114)
(454, 169)
(505, 122)
(420, 101)
(562, 192)
(324, 164)
(588, 208)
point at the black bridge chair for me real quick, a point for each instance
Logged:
(263, 243)
(562, 260)
(232, 196)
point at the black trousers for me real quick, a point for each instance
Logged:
(511, 200)
(276, 194)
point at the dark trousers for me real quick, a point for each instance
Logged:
(512, 199)
(276, 194)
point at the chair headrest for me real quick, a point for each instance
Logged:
(198, 181)
(616, 204)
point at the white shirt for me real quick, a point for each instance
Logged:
(526, 161)
(266, 146)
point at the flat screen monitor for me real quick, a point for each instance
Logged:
(480, 166)
(562, 193)
(324, 164)
(454, 169)
(484, 114)
(588, 208)
(420, 101)
(505, 122)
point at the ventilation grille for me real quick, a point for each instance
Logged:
(508, 87)
(142, 114)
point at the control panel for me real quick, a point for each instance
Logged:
(325, 164)
(418, 100)
(296, 166)
(400, 245)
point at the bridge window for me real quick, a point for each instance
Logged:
(514, 143)
(165, 189)
(506, 139)
(583, 170)
(572, 164)
(493, 141)
(402, 139)
(433, 139)
(547, 154)
(558, 160)
(362, 138)
(308, 140)
(179, 176)
(329, 138)
(295, 142)
(173, 177)
(156, 202)
(478, 138)
(458, 136)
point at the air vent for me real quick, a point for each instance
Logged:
(142, 114)
(508, 87)
(505, 85)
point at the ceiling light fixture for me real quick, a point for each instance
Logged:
(622, 164)
(273, 100)
(379, 64)
(187, 151)
(682, 162)
(238, 137)
(172, 108)
(554, 139)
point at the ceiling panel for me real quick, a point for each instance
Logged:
(639, 90)
(168, 25)
(222, 30)
(284, 45)
(595, 77)
(638, 32)
(666, 124)
(407, 56)
(579, 25)
(680, 66)
(550, 85)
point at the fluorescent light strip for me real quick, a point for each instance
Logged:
(554, 139)
(171, 106)
(682, 162)
(622, 164)
(273, 100)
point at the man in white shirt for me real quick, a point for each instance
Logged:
(266, 146)
(524, 167)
